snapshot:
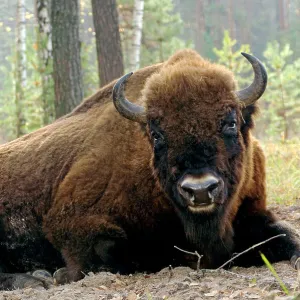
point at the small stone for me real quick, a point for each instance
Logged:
(182, 285)
(118, 283)
(131, 296)
(211, 294)
(28, 291)
(194, 284)
(253, 296)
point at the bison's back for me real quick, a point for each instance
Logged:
(92, 142)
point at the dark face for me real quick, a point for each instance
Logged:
(198, 170)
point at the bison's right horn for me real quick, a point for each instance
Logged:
(127, 109)
(254, 91)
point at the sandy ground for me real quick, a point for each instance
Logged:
(180, 283)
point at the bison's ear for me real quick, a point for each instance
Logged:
(248, 113)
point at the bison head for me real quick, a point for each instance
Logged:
(198, 125)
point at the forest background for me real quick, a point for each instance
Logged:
(101, 40)
(218, 30)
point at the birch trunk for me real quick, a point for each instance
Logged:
(45, 55)
(21, 68)
(138, 13)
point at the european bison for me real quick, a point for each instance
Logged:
(115, 184)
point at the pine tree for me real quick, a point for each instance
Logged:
(67, 72)
(109, 51)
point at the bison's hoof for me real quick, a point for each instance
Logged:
(43, 275)
(295, 261)
(20, 281)
(61, 276)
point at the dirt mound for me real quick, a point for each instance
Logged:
(180, 283)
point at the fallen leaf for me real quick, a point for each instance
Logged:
(211, 294)
(253, 296)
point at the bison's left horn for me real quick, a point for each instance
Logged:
(127, 109)
(254, 91)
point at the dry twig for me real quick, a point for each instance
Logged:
(252, 247)
(225, 272)
(192, 253)
(171, 273)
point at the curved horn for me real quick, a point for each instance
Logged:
(254, 91)
(127, 109)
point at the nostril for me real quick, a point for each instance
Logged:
(187, 193)
(213, 187)
(212, 191)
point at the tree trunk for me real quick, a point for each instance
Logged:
(45, 55)
(246, 29)
(21, 68)
(67, 73)
(217, 24)
(282, 14)
(138, 12)
(231, 21)
(109, 51)
(200, 27)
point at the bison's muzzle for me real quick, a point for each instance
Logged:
(201, 190)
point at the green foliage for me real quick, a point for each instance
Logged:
(162, 28)
(281, 112)
(45, 78)
(233, 60)
(7, 98)
(32, 105)
(271, 268)
(283, 171)
(89, 69)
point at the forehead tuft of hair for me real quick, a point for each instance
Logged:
(187, 78)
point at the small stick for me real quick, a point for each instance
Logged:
(192, 253)
(221, 271)
(237, 275)
(171, 273)
(252, 247)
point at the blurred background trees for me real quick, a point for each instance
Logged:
(44, 48)
(108, 42)
(67, 73)
(55, 52)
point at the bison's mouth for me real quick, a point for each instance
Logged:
(201, 191)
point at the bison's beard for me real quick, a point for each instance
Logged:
(203, 229)
(205, 235)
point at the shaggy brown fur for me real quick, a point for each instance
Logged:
(91, 186)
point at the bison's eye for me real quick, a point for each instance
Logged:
(230, 129)
(156, 136)
(158, 140)
(232, 125)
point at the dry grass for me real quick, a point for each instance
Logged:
(283, 172)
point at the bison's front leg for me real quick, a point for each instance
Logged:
(88, 243)
(14, 281)
(254, 227)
